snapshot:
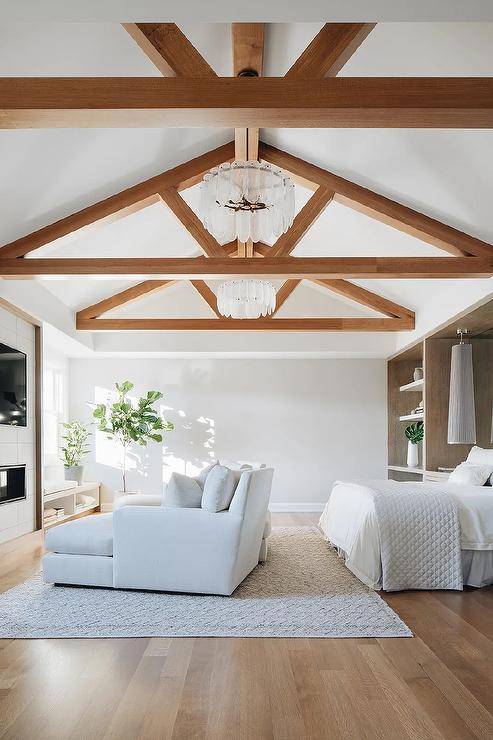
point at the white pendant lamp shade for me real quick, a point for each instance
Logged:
(246, 299)
(247, 201)
(462, 412)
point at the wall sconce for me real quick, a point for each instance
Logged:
(461, 410)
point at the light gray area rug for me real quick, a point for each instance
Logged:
(304, 590)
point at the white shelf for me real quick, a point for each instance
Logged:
(83, 488)
(412, 417)
(405, 469)
(415, 387)
(68, 500)
(68, 517)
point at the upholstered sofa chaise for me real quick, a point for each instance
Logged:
(166, 548)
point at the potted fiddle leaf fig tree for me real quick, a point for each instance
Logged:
(128, 421)
(74, 449)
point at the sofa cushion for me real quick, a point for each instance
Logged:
(137, 499)
(202, 476)
(90, 535)
(219, 488)
(182, 492)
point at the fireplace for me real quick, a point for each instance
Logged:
(12, 483)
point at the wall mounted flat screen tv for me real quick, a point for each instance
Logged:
(13, 387)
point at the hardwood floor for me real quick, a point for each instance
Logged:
(438, 684)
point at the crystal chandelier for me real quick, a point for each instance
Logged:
(246, 299)
(246, 201)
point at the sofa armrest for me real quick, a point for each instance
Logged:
(175, 549)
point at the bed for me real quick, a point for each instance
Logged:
(351, 522)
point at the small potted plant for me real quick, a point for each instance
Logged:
(414, 434)
(129, 422)
(74, 449)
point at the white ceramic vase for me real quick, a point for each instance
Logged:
(412, 455)
(74, 472)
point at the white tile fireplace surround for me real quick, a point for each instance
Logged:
(17, 445)
(313, 421)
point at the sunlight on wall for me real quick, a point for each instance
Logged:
(198, 435)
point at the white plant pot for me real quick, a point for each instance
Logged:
(74, 472)
(412, 455)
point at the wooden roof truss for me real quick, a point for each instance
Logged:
(173, 54)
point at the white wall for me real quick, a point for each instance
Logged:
(313, 420)
(17, 445)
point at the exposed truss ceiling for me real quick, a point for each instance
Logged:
(172, 53)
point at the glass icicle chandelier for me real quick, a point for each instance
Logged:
(246, 299)
(246, 201)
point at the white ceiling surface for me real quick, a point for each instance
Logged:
(49, 174)
(254, 10)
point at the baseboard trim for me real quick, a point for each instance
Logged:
(310, 506)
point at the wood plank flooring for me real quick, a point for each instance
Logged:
(438, 684)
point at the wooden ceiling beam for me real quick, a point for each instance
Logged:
(180, 325)
(125, 296)
(213, 268)
(302, 223)
(248, 57)
(169, 49)
(191, 222)
(248, 48)
(122, 204)
(146, 102)
(379, 207)
(366, 298)
(329, 51)
(284, 292)
(207, 294)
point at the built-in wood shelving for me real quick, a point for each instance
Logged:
(412, 417)
(415, 387)
(405, 469)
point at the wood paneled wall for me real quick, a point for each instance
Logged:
(436, 362)
(400, 372)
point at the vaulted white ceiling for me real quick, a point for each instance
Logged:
(47, 174)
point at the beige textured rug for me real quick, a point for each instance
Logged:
(304, 590)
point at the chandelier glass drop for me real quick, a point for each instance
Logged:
(246, 201)
(246, 299)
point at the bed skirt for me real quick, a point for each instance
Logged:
(477, 568)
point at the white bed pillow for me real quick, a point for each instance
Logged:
(480, 456)
(468, 474)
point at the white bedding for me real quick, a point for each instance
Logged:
(349, 522)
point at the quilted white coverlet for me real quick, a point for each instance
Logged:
(419, 538)
(398, 535)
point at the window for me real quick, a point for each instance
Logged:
(53, 411)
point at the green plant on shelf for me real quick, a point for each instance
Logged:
(415, 432)
(75, 446)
